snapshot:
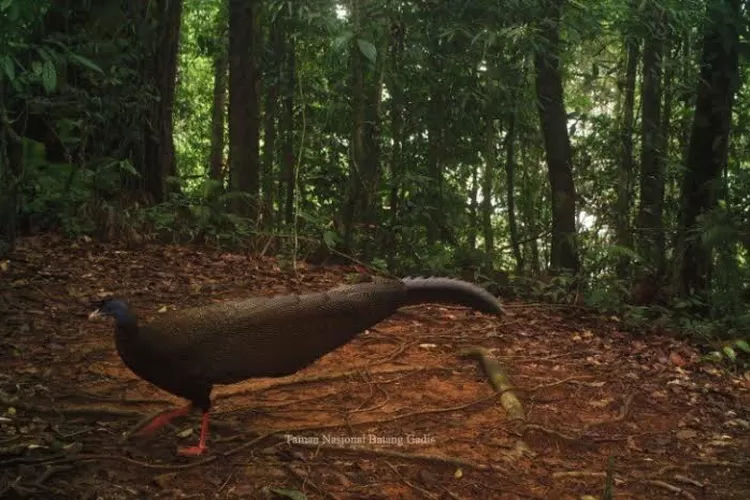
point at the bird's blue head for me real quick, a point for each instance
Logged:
(115, 308)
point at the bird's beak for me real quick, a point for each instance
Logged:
(96, 315)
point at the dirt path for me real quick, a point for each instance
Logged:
(397, 413)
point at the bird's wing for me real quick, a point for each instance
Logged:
(266, 336)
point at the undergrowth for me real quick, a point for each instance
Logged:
(87, 201)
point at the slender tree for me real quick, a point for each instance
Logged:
(649, 221)
(273, 81)
(625, 169)
(244, 102)
(549, 89)
(218, 111)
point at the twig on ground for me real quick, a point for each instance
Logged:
(302, 478)
(669, 487)
(560, 382)
(457, 462)
(411, 485)
(578, 473)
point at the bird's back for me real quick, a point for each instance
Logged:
(268, 336)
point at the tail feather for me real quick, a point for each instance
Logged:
(450, 291)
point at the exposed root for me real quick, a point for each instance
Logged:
(302, 478)
(669, 487)
(325, 377)
(457, 462)
(558, 434)
(411, 485)
(69, 411)
(578, 473)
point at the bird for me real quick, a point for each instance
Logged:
(187, 351)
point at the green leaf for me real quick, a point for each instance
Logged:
(49, 76)
(340, 41)
(730, 353)
(86, 62)
(743, 346)
(714, 356)
(9, 67)
(125, 166)
(291, 494)
(36, 68)
(368, 49)
(329, 238)
(14, 12)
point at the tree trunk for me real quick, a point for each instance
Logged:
(510, 174)
(708, 150)
(670, 190)
(370, 202)
(287, 131)
(364, 172)
(357, 163)
(396, 90)
(244, 103)
(473, 208)
(11, 172)
(529, 193)
(218, 114)
(435, 145)
(687, 96)
(161, 72)
(275, 73)
(625, 172)
(549, 89)
(650, 227)
(488, 177)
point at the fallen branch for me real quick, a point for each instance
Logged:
(499, 380)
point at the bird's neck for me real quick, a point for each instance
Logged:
(127, 325)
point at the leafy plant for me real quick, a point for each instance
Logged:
(735, 352)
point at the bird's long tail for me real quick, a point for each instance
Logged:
(450, 291)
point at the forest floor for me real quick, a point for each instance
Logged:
(396, 413)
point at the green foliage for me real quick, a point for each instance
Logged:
(201, 215)
(606, 295)
(733, 353)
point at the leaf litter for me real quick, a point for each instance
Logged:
(396, 413)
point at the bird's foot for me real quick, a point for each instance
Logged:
(162, 419)
(191, 451)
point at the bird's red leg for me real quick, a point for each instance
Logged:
(163, 419)
(194, 451)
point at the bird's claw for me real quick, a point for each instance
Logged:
(191, 451)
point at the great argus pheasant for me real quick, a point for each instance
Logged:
(187, 352)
